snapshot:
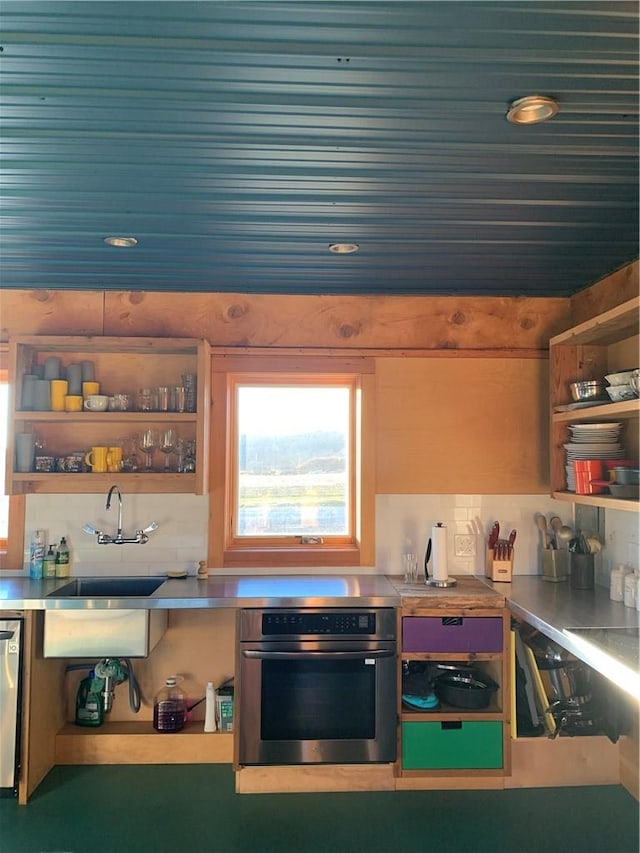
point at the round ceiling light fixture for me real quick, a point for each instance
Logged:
(343, 248)
(121, 242)
(532, 109)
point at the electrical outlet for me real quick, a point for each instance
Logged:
(465, 545)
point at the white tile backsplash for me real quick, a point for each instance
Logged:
(403, 522)
(178, 544)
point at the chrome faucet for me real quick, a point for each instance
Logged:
(108, 506)
(140, 537)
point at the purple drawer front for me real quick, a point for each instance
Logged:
(451, 634)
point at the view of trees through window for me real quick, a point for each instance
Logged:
(293, 460)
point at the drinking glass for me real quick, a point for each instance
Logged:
(130, 453)
(410, 566)
(186, 456)
(168, 443)
(149, 441)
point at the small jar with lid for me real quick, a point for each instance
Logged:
(630, 589)
(169, 707)
(616, 586)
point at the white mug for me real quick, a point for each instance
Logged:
(96, 403)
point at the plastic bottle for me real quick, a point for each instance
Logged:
(49, 565)
(169, 707)
(88, 704)
(616, 588)
(210, 708)
(36, 555)
(62, 559)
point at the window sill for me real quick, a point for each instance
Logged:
(287, 557)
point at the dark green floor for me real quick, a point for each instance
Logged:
(193, 809)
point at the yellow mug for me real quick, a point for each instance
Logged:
(73, 403)
(114, 459)
(96, 459)
(59, 388)
(89, 388)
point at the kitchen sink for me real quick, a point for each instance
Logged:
(108, 588)
(92, 630)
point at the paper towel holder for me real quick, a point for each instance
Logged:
(441, 584)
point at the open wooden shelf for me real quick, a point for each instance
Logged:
(139, 743)
(602, 345)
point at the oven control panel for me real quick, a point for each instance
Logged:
(296, 622)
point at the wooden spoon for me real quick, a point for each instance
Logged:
(541, 521)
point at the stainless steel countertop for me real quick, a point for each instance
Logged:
(556, 608)
(551, 608)
(216, 591)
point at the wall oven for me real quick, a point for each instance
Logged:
(317, 686)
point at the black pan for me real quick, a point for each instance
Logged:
(463, 690)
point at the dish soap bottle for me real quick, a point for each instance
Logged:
(169, 707)
(49, 565)
(62, 559)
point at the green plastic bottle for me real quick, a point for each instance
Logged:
(49, 564)
(88, 703)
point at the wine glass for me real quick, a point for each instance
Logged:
(149, 441)
(168, 443)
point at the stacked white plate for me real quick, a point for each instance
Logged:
(592, 441)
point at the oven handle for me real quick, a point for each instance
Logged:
(248, 653)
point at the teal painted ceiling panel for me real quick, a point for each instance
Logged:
(237, 140)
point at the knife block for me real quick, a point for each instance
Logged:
(498, 570)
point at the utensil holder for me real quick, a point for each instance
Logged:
(555, 565)
(582, 571)
(499, 570)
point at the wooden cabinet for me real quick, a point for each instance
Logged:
(121, 365)
(605, 344)
(448, 740)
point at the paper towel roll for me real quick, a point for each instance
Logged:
(439, 552)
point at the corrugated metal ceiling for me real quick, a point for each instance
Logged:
(237, 140)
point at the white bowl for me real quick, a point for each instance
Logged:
(621, 378)
(618, 393)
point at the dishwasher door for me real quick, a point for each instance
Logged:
(10, 703)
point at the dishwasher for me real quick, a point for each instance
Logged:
(10, 704)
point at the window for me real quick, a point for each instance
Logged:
(289, 445)
(11, 507)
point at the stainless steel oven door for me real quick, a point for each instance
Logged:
(313, 702)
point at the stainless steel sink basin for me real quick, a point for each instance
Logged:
(108, 588)
(76, 630)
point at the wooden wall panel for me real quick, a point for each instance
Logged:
(405, 322)
(606, 293)
(51, 312)
(476, 426)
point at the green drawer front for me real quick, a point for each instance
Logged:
(443, 746)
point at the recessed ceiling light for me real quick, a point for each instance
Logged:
(343, 248)
(532, 109)
(121, 242)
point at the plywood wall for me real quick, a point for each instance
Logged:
(472, 426)
(352, 322)
(462, 393)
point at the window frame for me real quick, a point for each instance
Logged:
(11, 548)
(228, 371)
